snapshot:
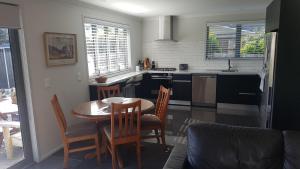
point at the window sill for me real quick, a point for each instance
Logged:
(110, 75)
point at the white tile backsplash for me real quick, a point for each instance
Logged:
(190, 33)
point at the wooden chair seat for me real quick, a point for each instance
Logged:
(107, 130)
(81, 130)
(149, 120)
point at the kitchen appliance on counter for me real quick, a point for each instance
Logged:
(183, 67)
(153, 66)
(204, 90)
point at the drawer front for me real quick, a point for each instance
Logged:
(187, 77)
(182, 91)
(238, 89)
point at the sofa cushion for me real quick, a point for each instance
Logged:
(292, 149)
(211, 147)
(259, 148)
(214, 146)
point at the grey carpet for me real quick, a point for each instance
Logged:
(153, 157)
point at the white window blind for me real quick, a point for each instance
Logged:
(108, 47)
(235, 40)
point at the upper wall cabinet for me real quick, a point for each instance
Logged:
(273, 16)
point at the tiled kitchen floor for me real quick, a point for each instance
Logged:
(153, 156)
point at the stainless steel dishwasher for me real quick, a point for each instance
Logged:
(204, 89)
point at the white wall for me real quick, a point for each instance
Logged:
(190, 32)
(41, 16)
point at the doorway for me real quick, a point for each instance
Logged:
(15, 144)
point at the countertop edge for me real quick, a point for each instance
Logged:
(126, 76)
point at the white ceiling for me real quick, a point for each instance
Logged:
(145, 8)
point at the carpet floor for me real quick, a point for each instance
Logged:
(153, 157)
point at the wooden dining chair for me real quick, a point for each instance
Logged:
(124, 129)
(108, 91)
(157, 121)
(76, 133)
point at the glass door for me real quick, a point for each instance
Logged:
(13, 109)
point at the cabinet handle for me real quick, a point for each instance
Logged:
(161, 78)
(249, 94)
(182, 81)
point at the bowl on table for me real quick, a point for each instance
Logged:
(101, 79)
(114, 100)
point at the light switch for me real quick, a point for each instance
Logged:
(79, 76)
(47, 83)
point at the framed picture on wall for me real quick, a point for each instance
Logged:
(60, 48)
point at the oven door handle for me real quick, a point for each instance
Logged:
(182, 81)
(161, 78)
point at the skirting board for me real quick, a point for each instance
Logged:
(50, 153)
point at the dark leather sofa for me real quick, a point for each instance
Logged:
(215, 146)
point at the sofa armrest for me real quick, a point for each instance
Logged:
(177, 157)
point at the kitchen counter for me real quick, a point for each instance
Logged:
(207, 71)
(124, 77)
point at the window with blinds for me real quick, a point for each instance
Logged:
(108, 47)
(235, 40)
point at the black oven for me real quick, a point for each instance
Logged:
(157, 79)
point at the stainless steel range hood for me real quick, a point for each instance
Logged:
(165, 28)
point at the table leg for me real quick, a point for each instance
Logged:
(8, 143)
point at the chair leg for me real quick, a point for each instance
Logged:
(66, 156)
(138, 154)
(103, 142)
(163, 139)
(157, 136)
(98, 150)
(113, 156)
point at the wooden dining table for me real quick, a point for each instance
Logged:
(99, 111)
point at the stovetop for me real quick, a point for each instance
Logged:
(164, 69)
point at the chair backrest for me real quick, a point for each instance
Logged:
(108, 91)
(126, 118)
(59, 115)
(162, 103)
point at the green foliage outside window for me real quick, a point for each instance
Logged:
(253, 45)
(214, 43)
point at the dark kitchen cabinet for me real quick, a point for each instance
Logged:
(182, 87)
(238, 89)
(273, 16)
(143, 90)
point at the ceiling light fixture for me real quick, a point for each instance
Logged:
(129, 7)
